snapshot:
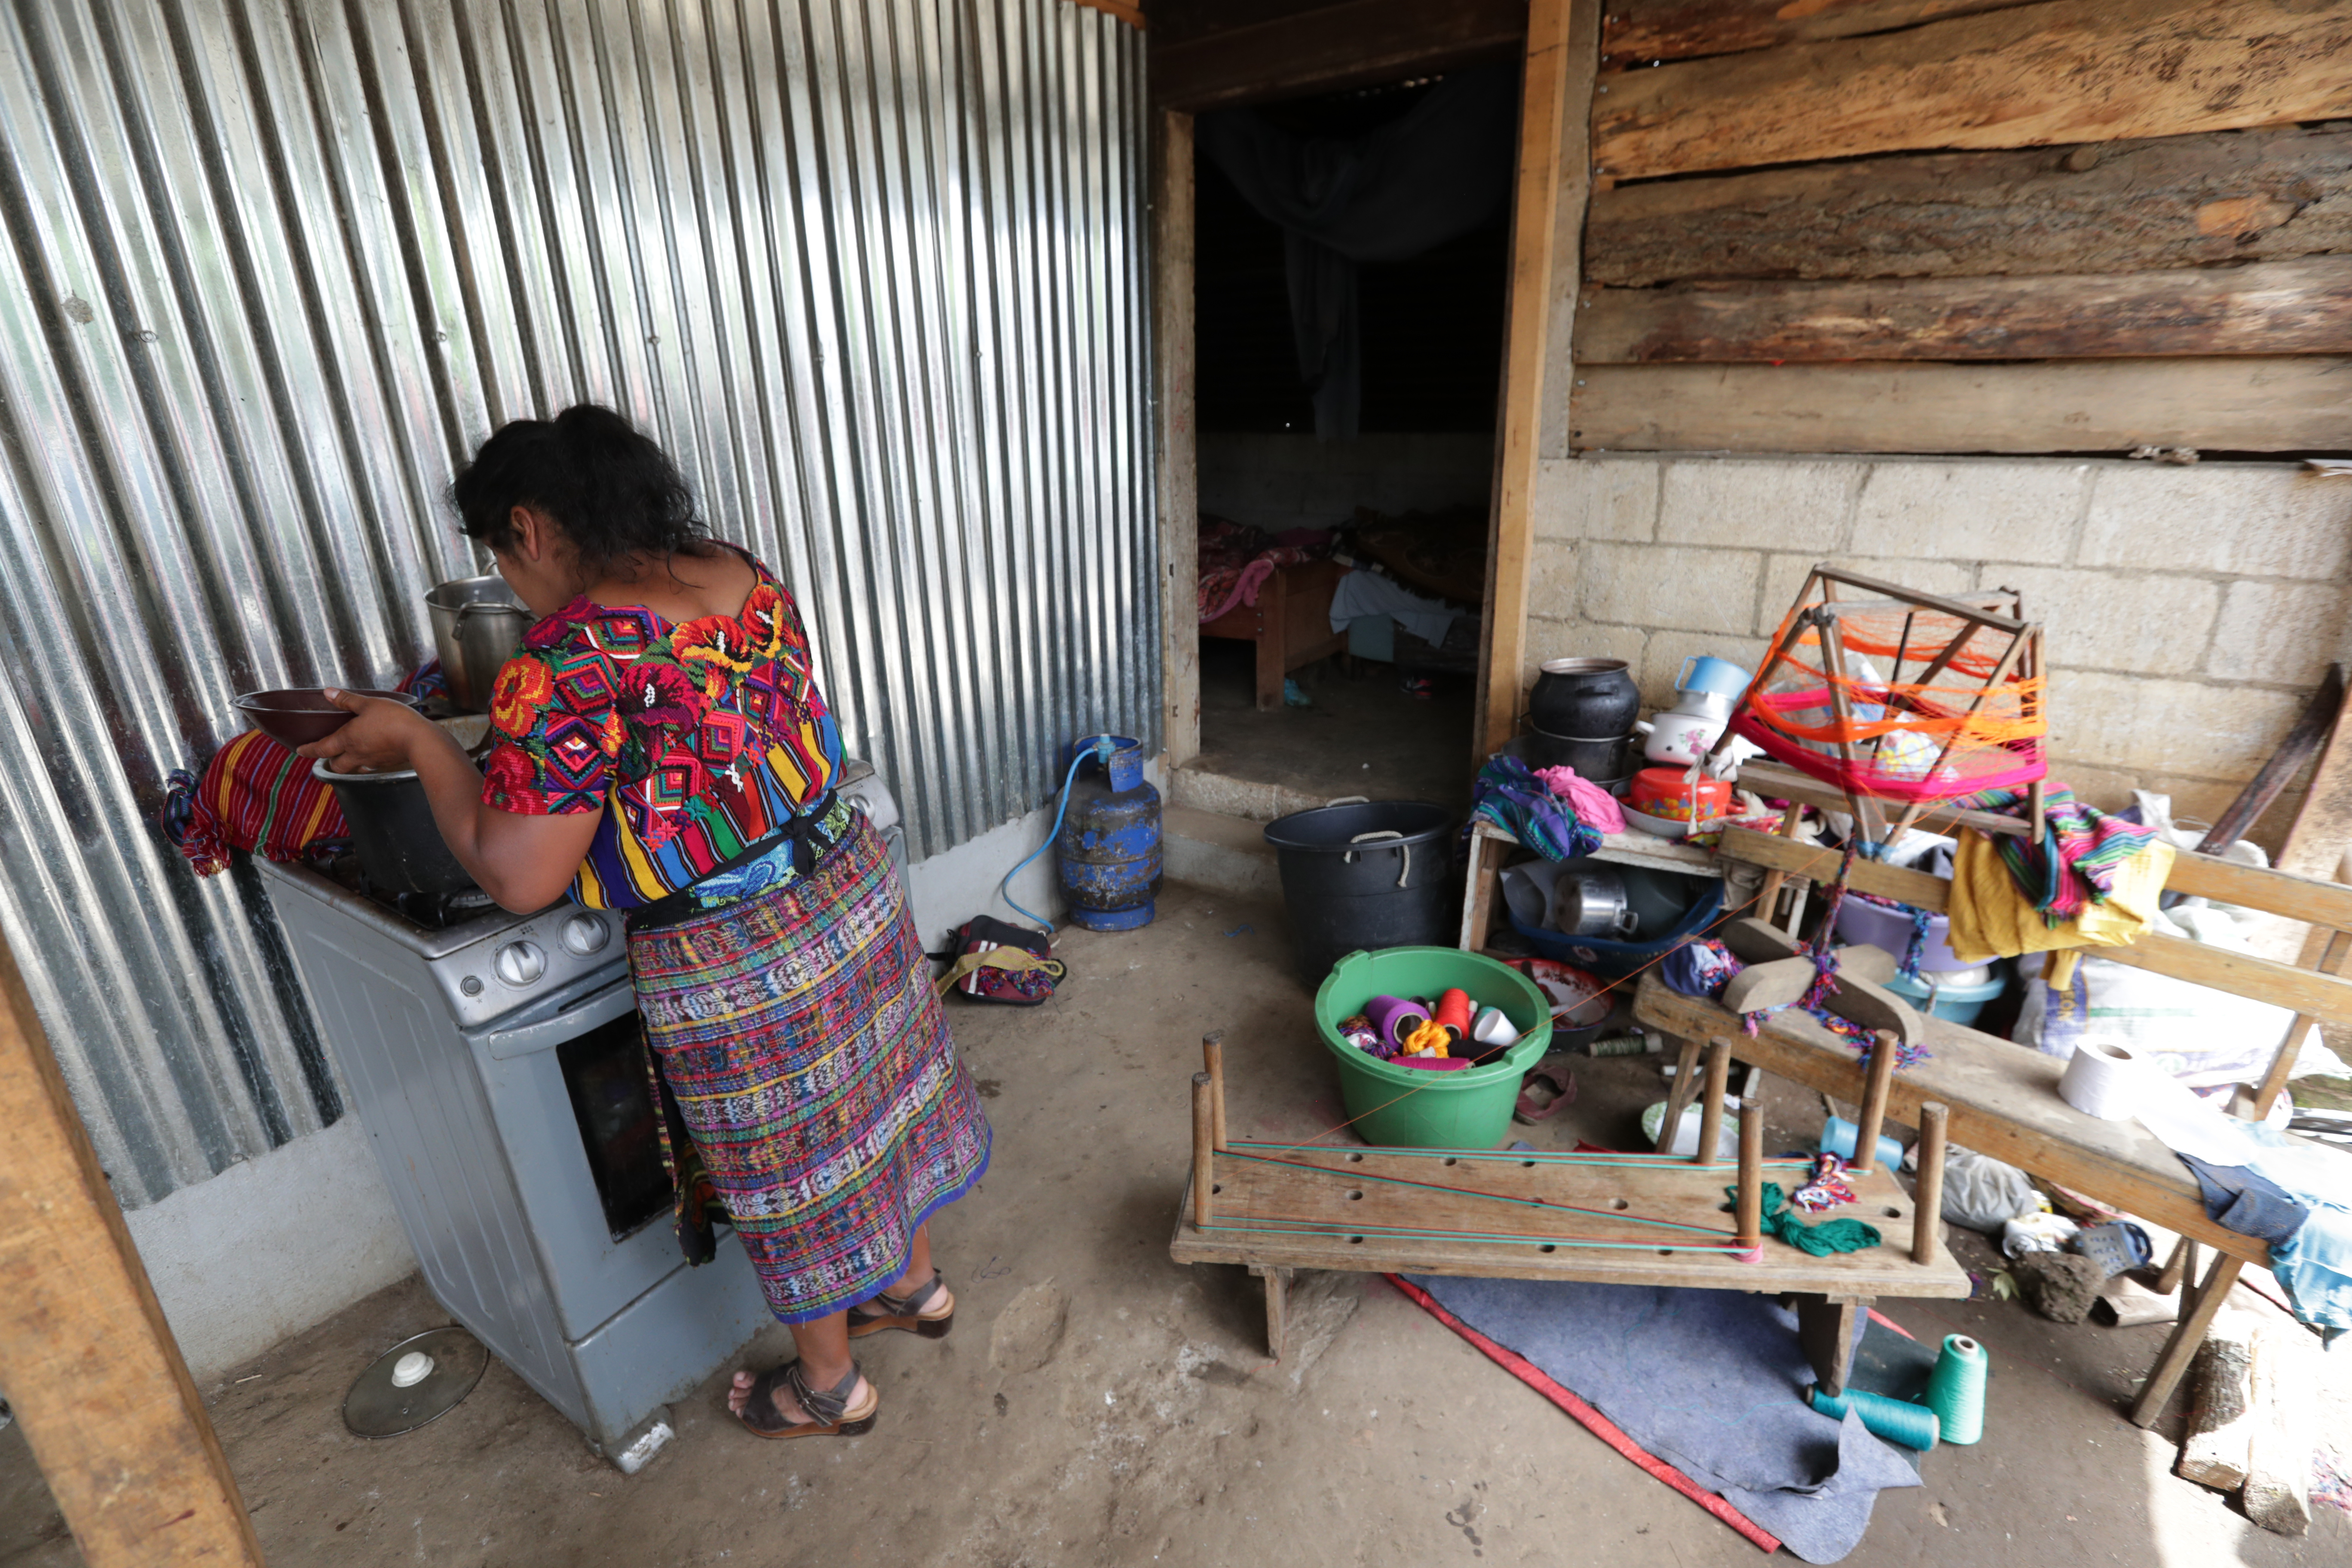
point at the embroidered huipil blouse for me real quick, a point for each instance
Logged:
(696, 739)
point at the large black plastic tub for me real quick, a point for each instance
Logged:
(1346, 890)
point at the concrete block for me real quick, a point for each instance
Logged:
(1762, 504)
(1784, 575)
(1974, 510)
(2255, 520)
(2147, 727)
(2130, 621)
(2278, 632)
(1662, 660)
(1659, 585)
(1229, 854)
(1597, 498)
(1552, 578)
(1199, 789)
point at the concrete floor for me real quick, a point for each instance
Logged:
(1364, 735)
(1098, 1405)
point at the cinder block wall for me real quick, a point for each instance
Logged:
(2189, 611)
(1278, 480)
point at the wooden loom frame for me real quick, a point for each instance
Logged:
(1332, 1206)
(2021, 659)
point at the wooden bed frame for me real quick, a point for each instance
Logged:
(1290, 623)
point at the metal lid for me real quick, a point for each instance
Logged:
(415, 1383)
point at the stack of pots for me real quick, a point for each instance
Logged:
(1582, 711)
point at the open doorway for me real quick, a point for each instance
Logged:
(1346, 467)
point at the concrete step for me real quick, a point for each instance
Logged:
(1224, 796)
(1210, 849)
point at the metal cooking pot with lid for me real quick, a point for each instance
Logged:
(393, 832)
(477, 626)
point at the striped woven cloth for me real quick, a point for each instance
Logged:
(256, 795)
(799, 1035)
(2075, 865)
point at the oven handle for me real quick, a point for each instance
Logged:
(594, 1010)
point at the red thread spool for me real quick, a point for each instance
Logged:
(1453, 1011)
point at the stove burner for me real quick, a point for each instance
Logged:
(434, 911)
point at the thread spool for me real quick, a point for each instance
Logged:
(1395, 1017)
(1623, 1045)
(1453, 1011)
(2103, 1080)
(1494, 1030)
(1434, 1064)
(1896, 1420)
(1837, 1138)
(1956, 1389)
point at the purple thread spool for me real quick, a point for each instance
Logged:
(1395, 1017)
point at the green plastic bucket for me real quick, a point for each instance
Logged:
(1412, 1108)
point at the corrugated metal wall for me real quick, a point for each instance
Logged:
(872, 270)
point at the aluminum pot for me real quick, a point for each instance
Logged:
(393, 832)
(477, 626)
(1590, 901)
(1598, 761)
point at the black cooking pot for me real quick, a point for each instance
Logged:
(1602, 761)
(393, 832)
(1585, 699)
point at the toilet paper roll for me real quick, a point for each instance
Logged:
(2103, 1080)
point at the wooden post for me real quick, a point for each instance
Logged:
(2285, 1428)
(1927, 1197)
(1204, 1149)
(1770, 897)
(1710, 1110)
(1874, 1102)
(2214, 1448)
(1751, 1175)
(1213, 1056)
(1679, 1092)
(1562, 56)
(1179, 498)
(86, 1357)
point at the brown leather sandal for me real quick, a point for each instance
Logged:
(834, 1418)
(929, 1309)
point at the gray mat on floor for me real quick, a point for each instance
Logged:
(1710, 1381)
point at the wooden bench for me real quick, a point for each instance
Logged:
(1623, 1219)
(2004, 1097)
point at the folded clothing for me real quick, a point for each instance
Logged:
(256, 795)
(2242, 1200)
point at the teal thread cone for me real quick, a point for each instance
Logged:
(1956, 1389)
(1896, 1420)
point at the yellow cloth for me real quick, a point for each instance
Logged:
(1991, 919)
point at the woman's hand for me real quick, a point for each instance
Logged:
(379, 740)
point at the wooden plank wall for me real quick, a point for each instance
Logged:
(1968, 226)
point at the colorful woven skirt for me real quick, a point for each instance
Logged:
(809, 1057)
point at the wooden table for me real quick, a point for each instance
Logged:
(1621, 1219)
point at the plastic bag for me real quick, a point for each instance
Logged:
(1983, 1193)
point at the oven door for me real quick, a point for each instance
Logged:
(566, 1080)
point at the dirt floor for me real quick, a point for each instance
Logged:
(1098, 1405)
(1364, 733)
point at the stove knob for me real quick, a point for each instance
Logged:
(584, 934)
(518, 962)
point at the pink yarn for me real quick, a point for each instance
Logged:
(1595, 806)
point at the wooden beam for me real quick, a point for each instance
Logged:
(2290, 894)
(2122, 207)
(1173, 375)
(2324, 996)
(1639, 31)
(2292, 403)
(2276, 306)
(86, 1357)
(1334, 47)
(1561, 53)
(2067, 70)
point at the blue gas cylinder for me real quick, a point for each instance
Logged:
(1109, 847)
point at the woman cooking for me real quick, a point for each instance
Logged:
(662, 749)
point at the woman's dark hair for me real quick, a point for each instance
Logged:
(615, 491)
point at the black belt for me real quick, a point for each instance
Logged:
(806, 835)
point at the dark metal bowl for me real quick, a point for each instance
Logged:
(300, 714)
